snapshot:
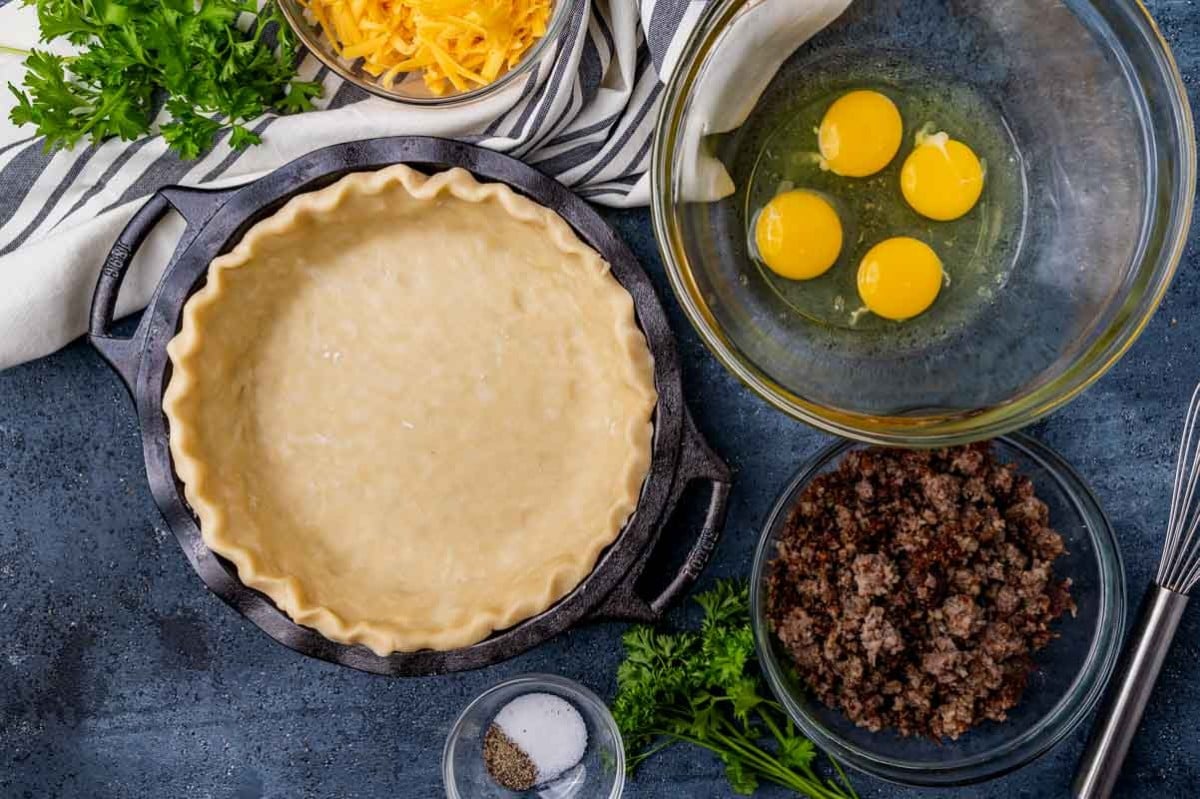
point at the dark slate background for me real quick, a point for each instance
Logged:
(121, 676)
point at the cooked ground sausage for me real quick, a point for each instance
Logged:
(912, 588)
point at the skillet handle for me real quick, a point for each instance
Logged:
(697, 462)
(197, 207)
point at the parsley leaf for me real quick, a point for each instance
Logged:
(189, 132)
(299, 97)
(192, 56)
(242, 137)
(797, 753)
(706, 689)
(741, 779)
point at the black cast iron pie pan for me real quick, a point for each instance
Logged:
(216, 220)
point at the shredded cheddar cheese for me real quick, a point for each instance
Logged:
(456, 44)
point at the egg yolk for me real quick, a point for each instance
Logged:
(942, 178)
(860, 134)
(899, 278)
(798, 235)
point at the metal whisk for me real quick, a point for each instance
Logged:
(1162, 608)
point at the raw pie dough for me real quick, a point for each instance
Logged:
(411, 410)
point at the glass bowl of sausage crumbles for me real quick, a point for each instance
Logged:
(938, 617)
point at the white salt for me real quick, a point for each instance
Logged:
(548, 729)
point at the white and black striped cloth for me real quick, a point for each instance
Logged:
(589, 124)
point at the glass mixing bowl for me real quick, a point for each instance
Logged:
(1071, 671)
(1099, 116)
(489, 101)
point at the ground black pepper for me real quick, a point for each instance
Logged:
(509, 766)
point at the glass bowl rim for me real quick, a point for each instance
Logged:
(1060, 721)
(313, 43)
(533, 681)
(1108, 346)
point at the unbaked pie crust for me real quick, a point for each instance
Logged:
(411, 410)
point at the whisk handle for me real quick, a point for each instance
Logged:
(1131, 687)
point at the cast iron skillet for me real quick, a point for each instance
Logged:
(216, 220)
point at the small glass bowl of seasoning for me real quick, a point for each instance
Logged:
(537, 736)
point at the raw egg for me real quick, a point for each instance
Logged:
(798, 235)
(942, 178)
(860, 134)
(899, 278)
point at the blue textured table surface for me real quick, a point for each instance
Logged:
(120, 675)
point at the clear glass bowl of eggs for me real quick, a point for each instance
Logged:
(936, 222)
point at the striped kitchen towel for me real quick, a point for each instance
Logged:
(589, 124)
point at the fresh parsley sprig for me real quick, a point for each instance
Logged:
(134, 54)
(705, 689)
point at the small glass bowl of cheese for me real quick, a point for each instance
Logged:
(437, 53)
